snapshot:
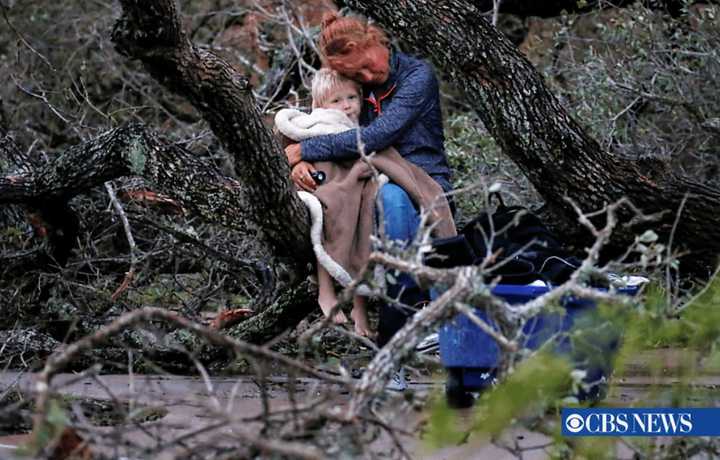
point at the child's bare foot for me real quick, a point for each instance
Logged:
(326, 305)
(340, 318)
(362, 326)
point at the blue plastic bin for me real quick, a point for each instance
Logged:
(471, 356)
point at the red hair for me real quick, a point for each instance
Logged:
(336, 33)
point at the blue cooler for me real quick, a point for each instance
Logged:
(471, 356)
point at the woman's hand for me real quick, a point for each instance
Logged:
(294, 154)
(301, 176)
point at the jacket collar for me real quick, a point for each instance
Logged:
(375, 95)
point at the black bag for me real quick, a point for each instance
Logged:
(450, 252)
(525, 249)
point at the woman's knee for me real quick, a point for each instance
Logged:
(400, 216)
(393, 196)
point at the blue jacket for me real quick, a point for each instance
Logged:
(410, 120)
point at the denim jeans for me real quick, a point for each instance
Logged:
(401, 220)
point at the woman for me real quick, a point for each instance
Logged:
(402, 102)
(402, 110)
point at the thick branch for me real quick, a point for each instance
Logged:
(288, 309)
(154, 35)
(133, 151)
(197, 187)
(534, 130)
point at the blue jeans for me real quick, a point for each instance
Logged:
(401, 220)
(400, 216)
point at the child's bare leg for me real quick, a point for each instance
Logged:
(360, 317)
(326, 296)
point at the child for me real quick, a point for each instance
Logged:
(336, 107)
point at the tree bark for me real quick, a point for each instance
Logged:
(153, 33)
(536, 132)
(133, 151)
(262, 203)
(127, 151)
(550, 8)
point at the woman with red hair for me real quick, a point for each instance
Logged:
(402, 102)
(401, 109)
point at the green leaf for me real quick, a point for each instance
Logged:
(536, 385)
(444, 426)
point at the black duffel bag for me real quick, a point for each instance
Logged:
(522, 248)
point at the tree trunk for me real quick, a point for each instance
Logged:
(153, 34)
(262, 203)
(536, 132)
(132, 151)
(550, 8)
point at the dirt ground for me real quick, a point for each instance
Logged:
(189, 400)
(190, 403)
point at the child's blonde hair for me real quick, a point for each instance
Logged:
(324, 82)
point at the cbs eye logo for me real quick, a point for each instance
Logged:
(574, 423)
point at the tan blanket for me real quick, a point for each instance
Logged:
(348, 198)
(348, 201)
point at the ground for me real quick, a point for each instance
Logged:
(192, 402)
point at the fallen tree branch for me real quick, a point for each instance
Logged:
(59, 360)
(131, 150)
(155, 36)
(502, 341)
(406, 339)
(534, 129)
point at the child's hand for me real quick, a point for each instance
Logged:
(301, 176)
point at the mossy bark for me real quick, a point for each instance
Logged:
(199, 188)
(154, 35)
(133, 151)
(260, 202)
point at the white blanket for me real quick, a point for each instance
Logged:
(299, 126)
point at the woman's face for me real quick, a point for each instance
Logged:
(345, 98)
(368, 66)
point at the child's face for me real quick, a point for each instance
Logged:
(346, 98)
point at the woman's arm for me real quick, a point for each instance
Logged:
(412, 97)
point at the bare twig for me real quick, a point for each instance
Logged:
(22, 38)
(59, 360)
(505, 344)
(406, 339)
(669, 256)
(496, 12)
(130, 239)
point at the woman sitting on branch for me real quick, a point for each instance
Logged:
(401, 109)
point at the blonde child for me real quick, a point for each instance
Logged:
(336, 107)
